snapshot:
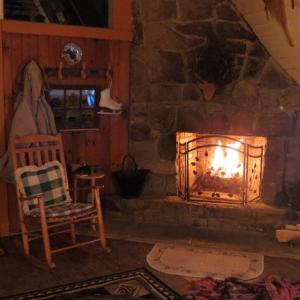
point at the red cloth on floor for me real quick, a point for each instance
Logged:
(274, 288)
(280, 289)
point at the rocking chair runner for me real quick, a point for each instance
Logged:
(43, 195)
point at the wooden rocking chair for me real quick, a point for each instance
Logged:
(44, 202)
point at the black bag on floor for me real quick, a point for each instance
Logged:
(130, 178)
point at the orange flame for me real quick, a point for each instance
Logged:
(226, 162)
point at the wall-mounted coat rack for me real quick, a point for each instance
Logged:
(83, 72)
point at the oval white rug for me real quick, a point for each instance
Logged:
(194, 261)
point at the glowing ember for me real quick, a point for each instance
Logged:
(226, 162)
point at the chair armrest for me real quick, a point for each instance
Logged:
(37, 196)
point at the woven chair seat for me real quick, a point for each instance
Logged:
(63, 210)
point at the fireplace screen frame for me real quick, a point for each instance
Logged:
(246, 150)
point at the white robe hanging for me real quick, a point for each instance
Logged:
(32, 115)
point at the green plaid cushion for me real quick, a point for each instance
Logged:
(48, 179)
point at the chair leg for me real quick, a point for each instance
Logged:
(25, 239)
(46, 241)
(72, 233)
(100, 219)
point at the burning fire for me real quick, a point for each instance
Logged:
(226, 162)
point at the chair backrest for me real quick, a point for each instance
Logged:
(36, 150)
(34, 156)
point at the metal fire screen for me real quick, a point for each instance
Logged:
(219, 168)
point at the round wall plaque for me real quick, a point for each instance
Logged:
(72, 54)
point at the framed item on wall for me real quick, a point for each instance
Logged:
(74, 107)
(90, 13)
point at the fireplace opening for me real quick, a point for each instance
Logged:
(219, 168)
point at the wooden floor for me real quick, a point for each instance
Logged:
(18, 276)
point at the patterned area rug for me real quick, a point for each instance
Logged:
(205, 262)
(136, 284)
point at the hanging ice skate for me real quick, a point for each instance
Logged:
(107, 104)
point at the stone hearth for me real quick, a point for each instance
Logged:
(172, 210)
(260, 100)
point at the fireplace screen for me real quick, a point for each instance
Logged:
(219, 168)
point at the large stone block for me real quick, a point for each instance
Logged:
(165, 167)
(138, 32)
(166, 93)
(296, 128)
(140, 77)
(274, 77)
(139, 131)
(198, 28)
(194, 9)
(162, 118)
(254, 67)
(191, 119)
(167, 147)
(245, 95)
(226, 12)
(140, 93)
(290, 98)
(258, 50)
(155, 185)
(160, 35)
(236, 47)
(158, 10)
(229, 30)
(269, 97)
(274, 124)
(144, 152)
(164, 37)
(138, 112)
(242, 122)
(191, 92)
(218, 123)
(171, 185)
(153, 65)
(168, 68)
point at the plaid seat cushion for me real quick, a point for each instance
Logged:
(48, 179)
(63, 210)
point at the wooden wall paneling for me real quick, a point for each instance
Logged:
(8, 79)
(118, 123)
(67, 142)
(119, 145)
(122, 15)
(4, 220)
(88, 53)
(43, 50)
(15, 56)
(105, 150)
(54, 53)
(106, 146)
(33, 42)
(124, 75)
(10, 66)
(79, 144)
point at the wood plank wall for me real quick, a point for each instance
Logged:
(105, 146)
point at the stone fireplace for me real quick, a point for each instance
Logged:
(219, 168)
(261, 100)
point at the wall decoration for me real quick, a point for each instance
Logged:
(72, 54)
(74, 108)
(213, 66)
(277, 9)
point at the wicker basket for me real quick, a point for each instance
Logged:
(130, 178)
